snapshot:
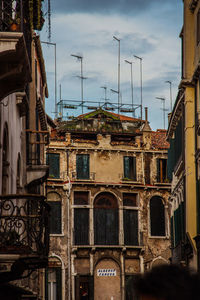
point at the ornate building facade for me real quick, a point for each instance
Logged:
(108, 190)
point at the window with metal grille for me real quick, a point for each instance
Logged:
(162, 170)
(106, 220)
(157, 216)
(53, 160)
(82, 166)
(130, 167)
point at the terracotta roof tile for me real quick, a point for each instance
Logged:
(158, 139)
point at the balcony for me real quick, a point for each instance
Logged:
(37, 169)
(17, 19)
(24, 225)
(24, 234)
(88, 177)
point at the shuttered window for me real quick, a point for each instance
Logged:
(157, 216)
(130, 227)
(162, 170)
(82, 166)
(53, 160)
(55, 217)
(106, 220)
(81, 226)
(130, 167)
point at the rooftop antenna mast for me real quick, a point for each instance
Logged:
(105, 90)
(163, 100)
(170, 90)
(80, 58)
(118, 92)
(131, 65)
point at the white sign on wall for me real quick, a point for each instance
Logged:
(106, 272)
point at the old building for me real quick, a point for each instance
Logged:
(24, 236)
(183, 135)
(108, 190)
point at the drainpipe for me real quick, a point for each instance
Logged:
(143, 169)
(67, 188)
(68, 238)
(141, 263)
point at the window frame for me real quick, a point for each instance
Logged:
(131, 208)
(47, 160)
(127, 176)
(61, 213)
(165, 220)
(99, 210)
(88, 166)
(161, 177)
(80, 206)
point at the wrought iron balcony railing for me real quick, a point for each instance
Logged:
(15, 15)
(35, 141)
(24, 225)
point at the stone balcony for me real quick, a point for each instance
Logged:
(15, 70)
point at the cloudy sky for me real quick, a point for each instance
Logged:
(147, 28)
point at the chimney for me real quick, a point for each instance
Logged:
(146, 114)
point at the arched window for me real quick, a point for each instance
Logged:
(5, 163)
(106, 220)
(157, 216)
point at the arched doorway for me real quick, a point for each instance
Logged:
(107, 282)
(106, 220)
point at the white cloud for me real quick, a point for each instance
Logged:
(148, 35)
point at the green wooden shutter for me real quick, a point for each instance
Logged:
(126, 167)
(81, 226)
(53, 160)
(82, 166)
(131, 227)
